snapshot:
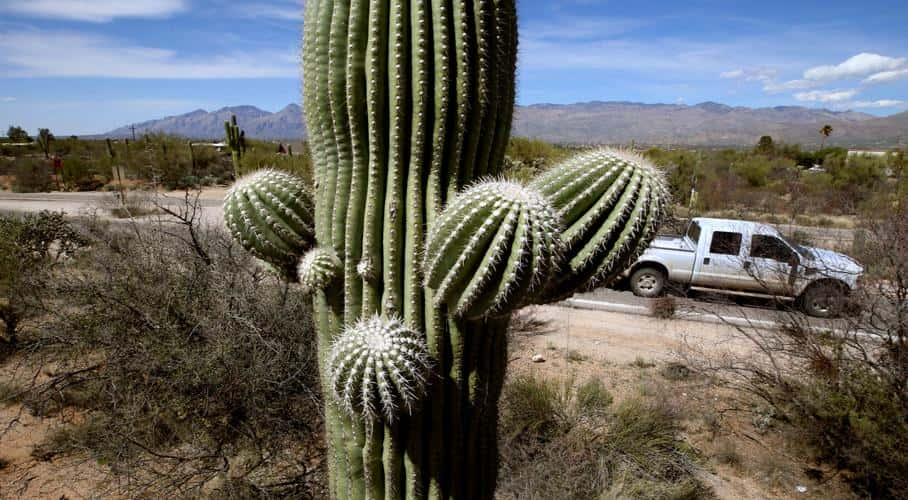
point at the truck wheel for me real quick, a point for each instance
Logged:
(648, 282)
(823, 300)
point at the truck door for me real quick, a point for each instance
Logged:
(720, 264)
(772, 263)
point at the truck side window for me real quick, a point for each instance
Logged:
(770, 247)
(725, 243)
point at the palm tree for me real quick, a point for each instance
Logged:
(826, 131)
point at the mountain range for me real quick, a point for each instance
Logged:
(704, 124)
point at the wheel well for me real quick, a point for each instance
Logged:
(827, 282)
(654, 265)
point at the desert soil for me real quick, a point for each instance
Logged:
(628, 352)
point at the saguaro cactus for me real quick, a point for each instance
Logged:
(418, 266)
(236, 141)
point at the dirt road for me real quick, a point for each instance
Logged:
(623, 338)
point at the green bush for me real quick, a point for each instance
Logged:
(31, 247)
(856, 422)
(174, 344)
(81, 175)
(560, 441)
(32, 176)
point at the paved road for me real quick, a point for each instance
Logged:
(210, 201)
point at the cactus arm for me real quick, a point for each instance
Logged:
(611, 203)
(493, 248)
(504, 238)
(501, 295)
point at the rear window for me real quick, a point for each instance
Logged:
(693, 232)
(725, 243)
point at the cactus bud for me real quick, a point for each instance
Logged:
(319, 268)
(378, 368)
(269, 214)
(492, 249)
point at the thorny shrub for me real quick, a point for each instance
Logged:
(193, 368)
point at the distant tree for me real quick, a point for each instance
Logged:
(17, 134)
(44, 140)
(826, 131)
(765, 146)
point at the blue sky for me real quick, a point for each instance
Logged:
(87, 66)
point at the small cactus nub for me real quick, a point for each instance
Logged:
(319, 268)
(270, 213)
(379, 368)
(492, 249)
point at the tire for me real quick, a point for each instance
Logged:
(823, 300)
(648, 282)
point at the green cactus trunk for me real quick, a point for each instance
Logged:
(407, 102)
(413, 276)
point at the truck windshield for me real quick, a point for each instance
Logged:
(693, 231)
(802, 250)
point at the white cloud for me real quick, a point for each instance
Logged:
(826, 95)
(95, 11)
(37, 53)
(7, 99)
(862, 64)
(750, 75)
(882, 103)
(777, 88)
(885, 76)
(573, 28)
(285, 11)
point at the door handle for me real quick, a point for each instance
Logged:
(705, 261)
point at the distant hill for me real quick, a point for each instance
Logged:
(200, 124)
(705, 124)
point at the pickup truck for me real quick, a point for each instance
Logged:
(746, 258)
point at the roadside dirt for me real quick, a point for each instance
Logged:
(638, 355)
(629, 353)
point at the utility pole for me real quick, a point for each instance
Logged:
(133, 128)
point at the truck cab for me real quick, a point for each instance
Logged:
(745, 258)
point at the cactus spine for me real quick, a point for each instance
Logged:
(413, 278)
(236, 141)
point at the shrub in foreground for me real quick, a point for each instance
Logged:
(561, 440)
(192, 366)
